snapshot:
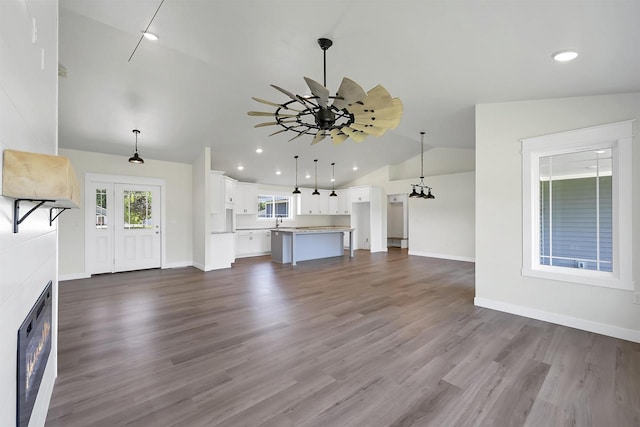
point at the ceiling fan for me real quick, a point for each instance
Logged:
(351, 113)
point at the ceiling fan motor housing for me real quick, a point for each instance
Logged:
(325, 118)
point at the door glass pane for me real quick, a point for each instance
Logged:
(101, 208)
(137, 210)
(576, 210)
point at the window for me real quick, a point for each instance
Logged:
(577, 206)
(101, 208)
(274, 206)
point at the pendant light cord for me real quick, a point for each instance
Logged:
(422, 155)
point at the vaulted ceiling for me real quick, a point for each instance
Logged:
(193, 87)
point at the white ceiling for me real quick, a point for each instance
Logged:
(193, 87)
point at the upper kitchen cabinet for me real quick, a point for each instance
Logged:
(340, 205)
(360, 194)
(217, 191)
(246, 198)
(309, 204)
(229, 192)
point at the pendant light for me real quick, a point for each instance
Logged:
(297, 190)
(333, 181)
(315, 191)
(421, 185)
(135, 158)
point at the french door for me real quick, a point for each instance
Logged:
(123, 227)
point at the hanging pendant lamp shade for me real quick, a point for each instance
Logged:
(296, 190)
(333, 180)
(421, 185)
(136, 158)
(315, 191)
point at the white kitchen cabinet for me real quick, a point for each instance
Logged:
(360, 194)
(229, 192)
(222, 251)
(342, 203)
(217, 180)
(246, 198)
(308, 204)
(252, 243)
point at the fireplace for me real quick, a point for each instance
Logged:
(34, 346)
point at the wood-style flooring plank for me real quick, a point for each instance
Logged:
(383, 339)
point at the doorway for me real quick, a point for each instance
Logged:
(123, 218)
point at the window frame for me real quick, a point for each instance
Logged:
(617, 137)
(273, 195)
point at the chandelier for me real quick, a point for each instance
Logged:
(421, 185)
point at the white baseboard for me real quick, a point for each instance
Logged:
(442, 256)
(199, 266)
(561, 319)
(178, 264)
(73, 276)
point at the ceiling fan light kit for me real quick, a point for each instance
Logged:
(421, 185)
(351, 113)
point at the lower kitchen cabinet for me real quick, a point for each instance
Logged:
(252, 243)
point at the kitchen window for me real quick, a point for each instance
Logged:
(274, 206)
(577, 206)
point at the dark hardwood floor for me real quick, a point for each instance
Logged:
(378, 340)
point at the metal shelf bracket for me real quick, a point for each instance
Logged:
(17, 220)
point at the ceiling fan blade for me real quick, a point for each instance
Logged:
(319, 137)
(274, 104)
(278, 131)
(337, 136)
(298, 136)
(388, 118)
(356, 135)
(286, 92)
(321, 92)
(369, 129)
(348, 93)
(377, 99)
(264, 113)
(259, 125)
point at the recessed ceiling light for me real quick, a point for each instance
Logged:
(355, 168)
(258, 150)
(307, 176)
(278, 172)
(240, 167)
(601, 151)
(150, 36)
(564, 55)
(333, 180)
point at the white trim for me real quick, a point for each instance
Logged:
(560, 319)
(199, 266)
(73, 276)
(615, 136)
(177, 264)
(442, 256)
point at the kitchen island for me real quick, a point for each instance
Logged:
(290, 245)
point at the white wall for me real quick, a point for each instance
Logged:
(179, 223)
(437, 161)
(28, 122)
(443, 227)
(499, 283)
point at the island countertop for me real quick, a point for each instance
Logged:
(318, 229)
